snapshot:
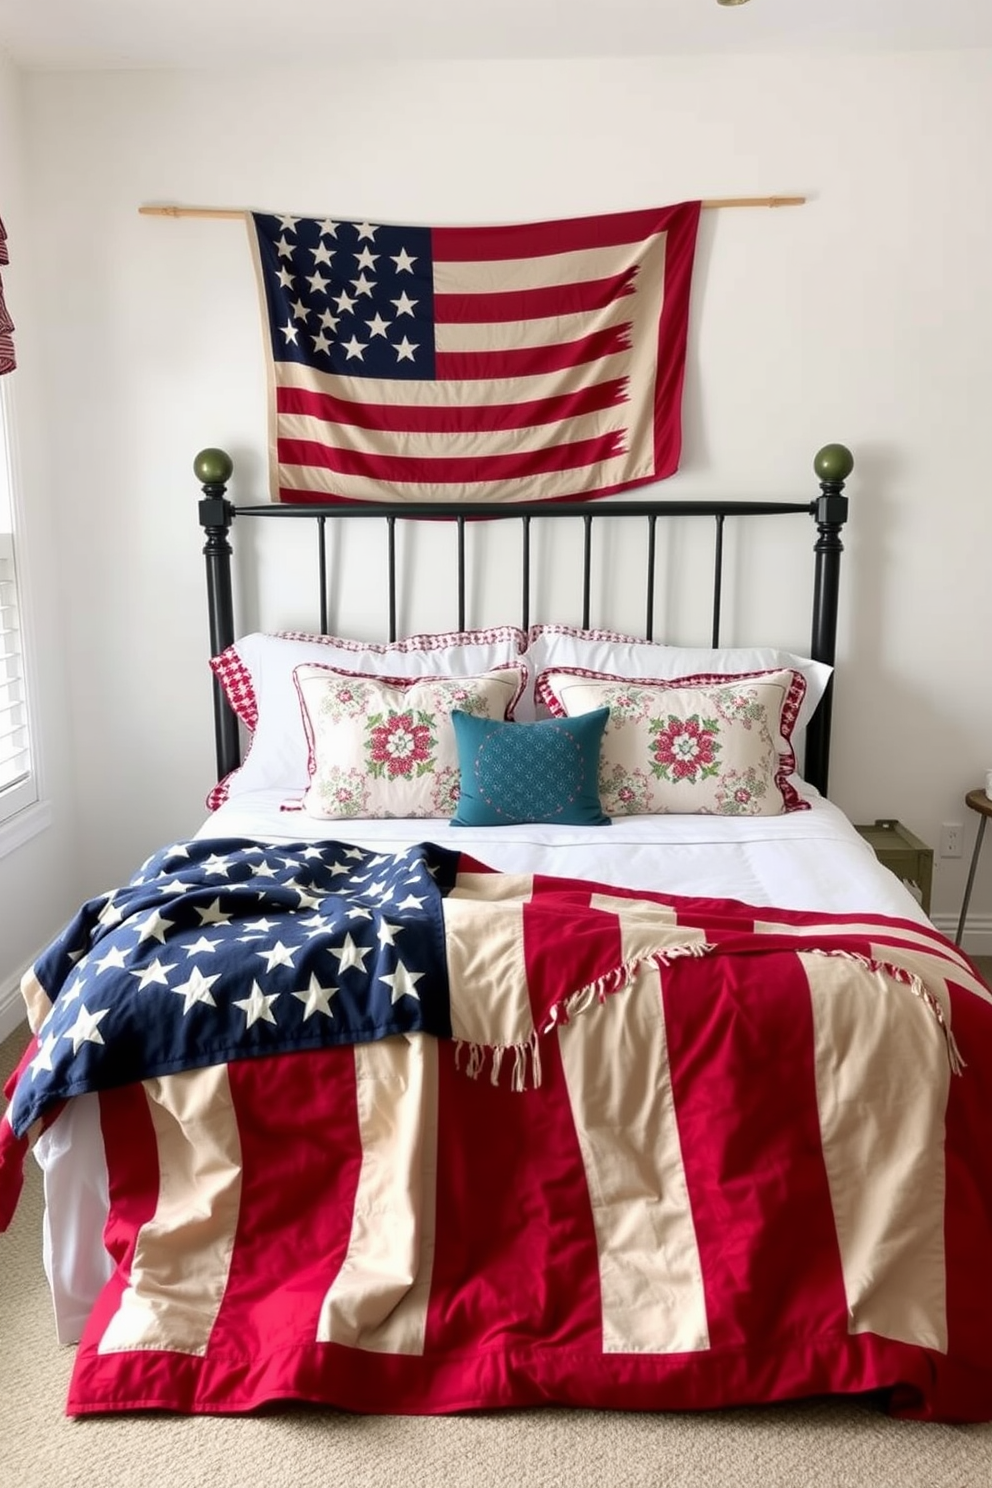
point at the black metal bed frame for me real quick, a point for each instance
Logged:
(833, 464)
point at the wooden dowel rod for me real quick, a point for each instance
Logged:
(728, 201)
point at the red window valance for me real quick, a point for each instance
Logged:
(7, 359)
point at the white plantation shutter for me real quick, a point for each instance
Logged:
(18, 776)
(15, 754)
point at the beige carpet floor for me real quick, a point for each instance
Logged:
(817, 1444)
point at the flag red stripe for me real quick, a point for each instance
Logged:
(441, 471)
(131, 1148)
(759, 1281)
(288, 1135)
(474, 419)
(532, 304)
(531, 361)
(538, 239)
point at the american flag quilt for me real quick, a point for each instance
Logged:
(396, 1133)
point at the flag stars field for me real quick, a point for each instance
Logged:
(302, 926)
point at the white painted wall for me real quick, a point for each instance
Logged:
(863, 316)
(40, 882)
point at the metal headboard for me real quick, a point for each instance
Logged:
(833, 464)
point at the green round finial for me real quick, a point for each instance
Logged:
(213, 467)
(834, 462)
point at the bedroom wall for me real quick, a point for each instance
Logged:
(863, 316)
(40, 879)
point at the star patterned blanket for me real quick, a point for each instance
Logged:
(393, 1132)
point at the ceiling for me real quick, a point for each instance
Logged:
(88, 34)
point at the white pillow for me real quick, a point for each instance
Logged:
(606, 652)
(705, 745)
(256, 674)
(386, 746)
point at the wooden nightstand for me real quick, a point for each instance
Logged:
(906, 855)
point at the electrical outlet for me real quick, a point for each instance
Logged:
(950, 840)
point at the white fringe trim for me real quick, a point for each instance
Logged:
(918, 987)
(526, 1072)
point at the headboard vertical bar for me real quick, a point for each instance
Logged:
(461, 572)
(525, 577)
(833, 465)
(391, 564)
(649, 613)
(717, 578)
(322, 572)
(586, 569)
(213, 467)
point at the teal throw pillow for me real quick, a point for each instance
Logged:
(529, 772)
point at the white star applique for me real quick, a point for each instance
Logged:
(307, 900)
(404, 349)
(328, 227)
(109, 915)
(277, 955)
(288, 224)
(86, 1029)
(387, 933)
(358, 912)
(312, 852)
(217, 863)
(322, 254)
(213, 914)
(263, 870)
(366, 230)
(354, 852)
(404, 305)
(316, 999)
(377, 326)
(404, 263)
(353, 348)
(289, 331)
(153, 927)
(43, 1059)
(155, 973)
(349, 954)
(258, 1007)
(403, 982)
(203, 944)
(172, 886)
(114, 958)
(197, 989)
(410, 902)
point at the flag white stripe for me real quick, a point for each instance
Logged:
(548, 271)
(882, 1139)
(615, 1058)
(511, 335)
(470, 444)
(378, 1301)
(456, 393)
(182, 1256)
(557, 483)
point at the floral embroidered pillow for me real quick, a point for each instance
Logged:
(385, 746)
(705, 745)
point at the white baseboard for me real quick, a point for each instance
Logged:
(977, 938)
(12, 1011)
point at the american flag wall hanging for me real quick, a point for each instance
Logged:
(531, 362)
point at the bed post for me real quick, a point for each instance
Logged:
(213, 467)
(833, 464)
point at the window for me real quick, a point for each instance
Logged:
(18, 782)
